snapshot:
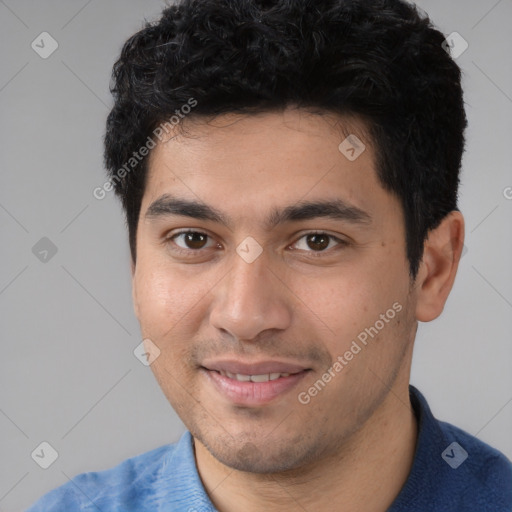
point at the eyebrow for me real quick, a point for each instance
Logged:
(337, 209)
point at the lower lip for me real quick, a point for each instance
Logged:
(253, 393)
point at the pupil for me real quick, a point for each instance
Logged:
(320, 241)
(195, 244)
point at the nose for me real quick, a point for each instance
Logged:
(249, 300)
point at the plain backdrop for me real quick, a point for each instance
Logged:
(68, 373)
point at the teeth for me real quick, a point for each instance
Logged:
(265, 377)
(260, 378)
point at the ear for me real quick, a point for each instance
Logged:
(441, 256)
(134, 291)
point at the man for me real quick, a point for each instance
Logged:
(289, 172)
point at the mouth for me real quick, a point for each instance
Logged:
(262, 377)
(253, 384)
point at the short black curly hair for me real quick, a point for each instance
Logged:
(380, 60)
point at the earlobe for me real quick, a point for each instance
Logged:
(438, 268)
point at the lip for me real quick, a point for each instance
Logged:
(253, 393)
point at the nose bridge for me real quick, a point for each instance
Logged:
(248, 300)
(248, 282)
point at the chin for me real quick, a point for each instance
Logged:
(259, 455)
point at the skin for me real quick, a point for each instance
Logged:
(289, 305)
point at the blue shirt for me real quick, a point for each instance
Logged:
(452, 472)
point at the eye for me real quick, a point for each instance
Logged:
(319, 242)
(189, 241)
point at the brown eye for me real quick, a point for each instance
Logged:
(190, 240)
(195, 240)
(318, 242)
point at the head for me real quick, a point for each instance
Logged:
(313, 149)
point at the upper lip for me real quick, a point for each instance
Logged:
(258, 368)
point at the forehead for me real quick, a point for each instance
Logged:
(255, 162)
(284, 131)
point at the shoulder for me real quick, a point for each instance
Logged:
(453, 470)
(479, 463)
(118, 488)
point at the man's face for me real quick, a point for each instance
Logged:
(264, 295)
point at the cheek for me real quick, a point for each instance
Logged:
(161, 298)
(350, 301)
(169, 298)
(342, 301)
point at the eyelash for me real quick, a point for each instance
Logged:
(314, 254)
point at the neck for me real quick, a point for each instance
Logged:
(366, 474)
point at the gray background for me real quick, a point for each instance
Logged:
(68, 372)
